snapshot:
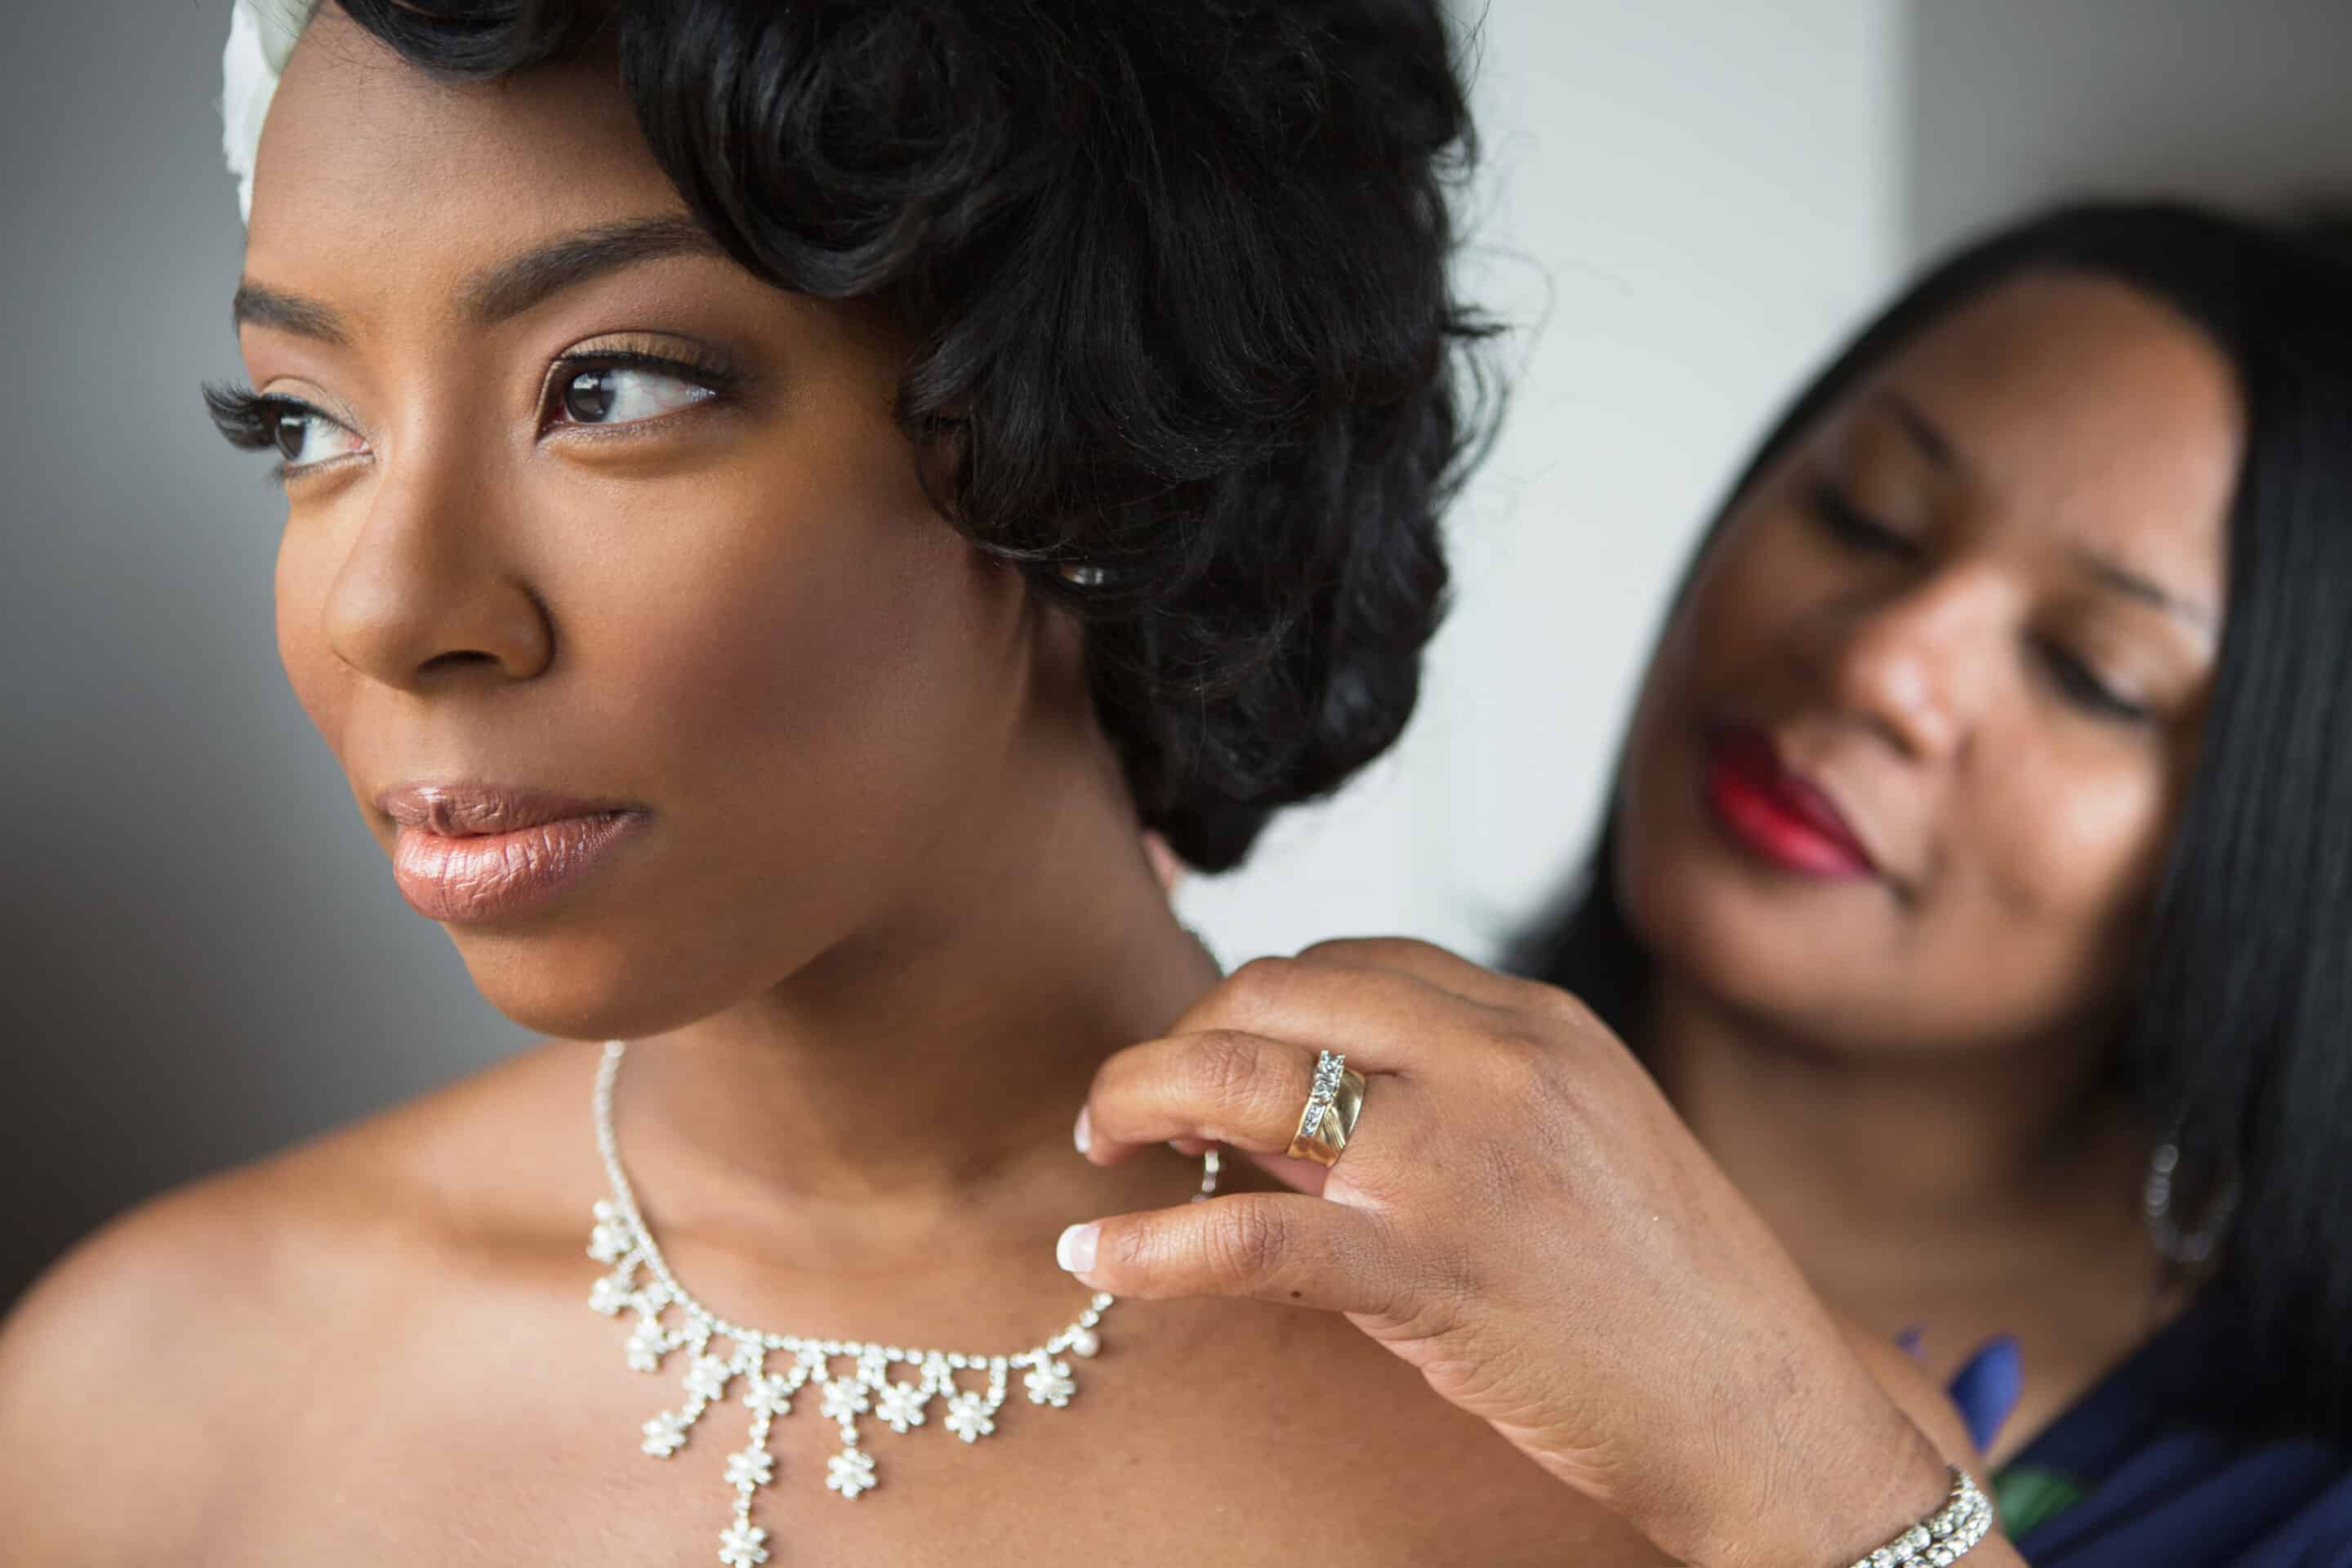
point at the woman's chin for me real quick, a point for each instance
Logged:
(582, 990)
(1774, 952)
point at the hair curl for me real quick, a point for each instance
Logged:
(1178, 273)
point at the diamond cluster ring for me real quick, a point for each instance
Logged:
(1332, 1107)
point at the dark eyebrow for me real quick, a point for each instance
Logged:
(530, 279)
(1920, 428)
(2125, 581)
(263, 305)
(507, 289)
(1938, 448)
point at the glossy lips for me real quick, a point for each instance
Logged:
(1778, 815)
(475, 853)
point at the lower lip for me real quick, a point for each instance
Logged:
(496, 876)
(1746, 800)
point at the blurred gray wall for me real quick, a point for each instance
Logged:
(202, 955)
(2244, 103)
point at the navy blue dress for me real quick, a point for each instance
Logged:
(2132, 1476)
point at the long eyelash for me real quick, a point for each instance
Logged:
(250, 421)
(714, 375)
(246, 420)
(717, 377)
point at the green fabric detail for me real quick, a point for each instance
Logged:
(2028, 1495)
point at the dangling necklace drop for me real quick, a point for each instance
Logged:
(669, 1319)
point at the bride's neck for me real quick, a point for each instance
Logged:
(931, 1064)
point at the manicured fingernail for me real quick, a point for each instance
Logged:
(1083, 1133)
(1075, 1251)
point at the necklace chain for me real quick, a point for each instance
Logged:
(641, 1282)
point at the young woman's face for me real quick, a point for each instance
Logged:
(587, 509)
(1903, 771)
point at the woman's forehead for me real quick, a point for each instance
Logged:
(2114, 362)
(2079, 399)
(365, 152)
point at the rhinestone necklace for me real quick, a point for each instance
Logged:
(669, 1318)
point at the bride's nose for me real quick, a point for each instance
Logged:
(425, 594)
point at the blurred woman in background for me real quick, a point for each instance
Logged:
(1978, 879)
(1977, 894)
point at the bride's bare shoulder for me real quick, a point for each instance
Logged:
(184, 1325)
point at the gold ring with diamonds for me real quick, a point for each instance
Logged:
(1332, 1107)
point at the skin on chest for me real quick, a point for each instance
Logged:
(1221, 1431)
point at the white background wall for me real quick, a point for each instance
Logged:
(1682, 206)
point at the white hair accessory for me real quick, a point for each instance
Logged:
(261, 37)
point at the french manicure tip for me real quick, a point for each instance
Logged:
(1075, 1251)
(1083, 1134)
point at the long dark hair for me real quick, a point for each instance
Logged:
(2236, 1045)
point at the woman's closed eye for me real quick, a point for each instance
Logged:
(2082, 686)
(1850, 526)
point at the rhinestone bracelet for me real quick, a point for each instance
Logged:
(1942, 1538)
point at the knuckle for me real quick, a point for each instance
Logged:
(1246, 1242)
(1516, 1057)
(1132, 1249)
(1563, 1010)
(1224, 1065)
(1258, 988)
(1535, 1086)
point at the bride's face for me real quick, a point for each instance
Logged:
(577, 506)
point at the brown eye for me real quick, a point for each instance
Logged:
(629, 392)
(305, 438)
(588, 396)
(293, 429)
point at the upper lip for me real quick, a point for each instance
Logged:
(467, 811)
(1818, 804)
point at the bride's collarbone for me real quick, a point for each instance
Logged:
(382, 1384)
(1220, 1429)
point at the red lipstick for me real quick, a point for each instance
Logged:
(1781, 816)
(472, 853)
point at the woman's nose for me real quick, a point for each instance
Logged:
(423, 595)
(1915, 665)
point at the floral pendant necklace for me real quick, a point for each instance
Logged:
(669, 1319)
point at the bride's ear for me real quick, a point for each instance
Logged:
(1164, 864)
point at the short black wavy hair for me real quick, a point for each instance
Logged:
(1178, 270)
